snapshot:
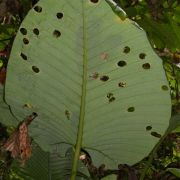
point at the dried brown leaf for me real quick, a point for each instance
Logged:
(19, 143)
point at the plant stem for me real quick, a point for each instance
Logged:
(83, 99)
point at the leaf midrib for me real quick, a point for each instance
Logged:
(83, 101)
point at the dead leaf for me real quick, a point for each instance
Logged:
(25, 143)
(19, 143)
(12, 144)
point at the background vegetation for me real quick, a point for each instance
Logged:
(161, 20)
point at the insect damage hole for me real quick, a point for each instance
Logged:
(146, 66)
(148, 128)
(122, 63)
(35, 69)
(56, 33)
(165, 88)
(23, 31)
(142, 55)
(104, 78)
(59, 15)
(36, 31)
(122, 84)
(155, 134)
(111, 97)
(24, 57)
(131, 109)
(126, 49)
(25, 41)
(35, 114)
(38, 9)
(94, 1)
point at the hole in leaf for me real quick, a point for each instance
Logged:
(56, 33)
(34, 114)
(131, 109)
(25, 41)
(25, 105)
(109, 95)
(104, 78)
(146, 66)
(126, 49)
(122, 63)
(36, 31)
(165, 88)
(35, 69)
(148, 128)
(67, 114)
(122, 84)
(38, 9)
(59, 15)
(23, 31)
(112, 99)
(94, 1)
(155, 134)
(142, 55)
(23, 56)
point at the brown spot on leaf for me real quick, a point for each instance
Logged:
(104, 56)
(95, 75)
(27, 105)
(67, 114)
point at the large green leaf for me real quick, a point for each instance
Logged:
(92, 78)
